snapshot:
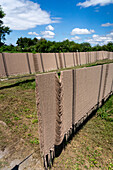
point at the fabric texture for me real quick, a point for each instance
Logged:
(87, 89)
(27, 63)
(49, 61)
(83, 57)
(2, 66)
(109, 80)
(47, 106)
(67, 102)
(16, 63)
(69, 59)
(64, 103)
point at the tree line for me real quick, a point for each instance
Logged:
(44, 46)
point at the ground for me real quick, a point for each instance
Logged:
(90, 148)
(19, 126)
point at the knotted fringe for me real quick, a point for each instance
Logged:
(59, 111)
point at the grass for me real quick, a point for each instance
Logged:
(18, 120)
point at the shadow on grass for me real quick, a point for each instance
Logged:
(17, 84)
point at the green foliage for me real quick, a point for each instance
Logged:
(44, 46)
(106, 112)
(34, 141)
(34, 121)
(3, 30)
(29, 85)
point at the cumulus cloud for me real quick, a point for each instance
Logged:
(47, 34)
(50, 27)
(107, 24)
(89, 3)
(75, 38)
(98, 39)
(81, 31)
(24, 14)
(32, 33)
(38, 37)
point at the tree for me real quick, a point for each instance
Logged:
(110, 46)
(3, 30)
(24, 42)
(85, 46)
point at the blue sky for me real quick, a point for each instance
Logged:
(78, 20)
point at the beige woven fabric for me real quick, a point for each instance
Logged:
(100, 55)
(61, 60)
(76, 58)
(16, 63)
(58, 61)
(89, 57)
(110, 55)
(46, 105)
(67, 90)
(105, 55)
(87, 90)
(79, 58)
(69, 59)
(31, 61)
(102, 82)
(93, 57)
(83, 57)
(109, 80)
(2, 69)
(62, 56)
(49, 61)
(64, 102)
(38, 63)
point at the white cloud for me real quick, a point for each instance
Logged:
(75, 38)
(111, 34)
(47, 34)
(32, 33)
(81, 31)
(38, 37)
(24, 14)
(89, 3)
(97, 39)
(50, 27)
(107, 25)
